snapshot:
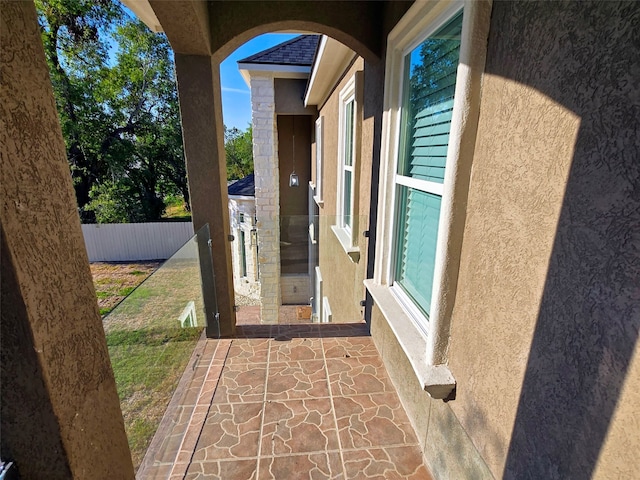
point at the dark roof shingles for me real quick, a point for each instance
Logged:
(243, 187)
(297, 51)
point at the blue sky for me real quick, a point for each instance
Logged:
(236, 98)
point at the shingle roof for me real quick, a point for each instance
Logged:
(297, 51)
(244, 187)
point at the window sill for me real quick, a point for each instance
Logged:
(318, 201)
(345, 240)
(436, 380)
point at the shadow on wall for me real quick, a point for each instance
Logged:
(586, 58)
(374, 86)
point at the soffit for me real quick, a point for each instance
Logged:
(331, 61)
(142, 9)
(185, 22)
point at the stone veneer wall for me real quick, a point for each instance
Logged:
(265, 160)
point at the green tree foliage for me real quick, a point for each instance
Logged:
(238, 146)
(115, 91)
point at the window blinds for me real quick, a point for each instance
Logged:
(430, 79)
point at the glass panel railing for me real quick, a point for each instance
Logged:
(151, 335)
(318, 265)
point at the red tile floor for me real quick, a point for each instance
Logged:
(288, 401)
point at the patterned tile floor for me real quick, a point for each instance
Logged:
(284, 402)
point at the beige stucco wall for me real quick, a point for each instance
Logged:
(60, 413)
(547, 315)
(198, 78)
(342, 278)
(546, 318)
(289, 96)
(356, 24)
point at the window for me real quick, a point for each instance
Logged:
(434, 65)
(428, 84)
(319, 140)
(346, 157)
(346, 226)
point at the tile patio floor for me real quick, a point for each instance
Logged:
(297, 401)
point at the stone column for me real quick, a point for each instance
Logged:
(203, 136)
(265, 160)
(60, 413)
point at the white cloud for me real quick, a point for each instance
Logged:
(235, 90)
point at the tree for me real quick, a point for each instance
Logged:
(238, 146)
(115, 91)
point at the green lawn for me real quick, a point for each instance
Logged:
(147, 365)
(148, 349)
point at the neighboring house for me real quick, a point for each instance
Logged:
(478, 184)
(242, 215)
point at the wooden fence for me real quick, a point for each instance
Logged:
(123, 242)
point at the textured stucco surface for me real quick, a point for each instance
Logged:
(342, 278)
(186, 24)
(202, 130)
(547, 311)
(289, 96)
(356, 24)
(60, 412)
(447, 450)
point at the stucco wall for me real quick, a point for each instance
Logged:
(60, 412)
(545, 325)
(289, 97)
(342, 278)
(202, 134)
(548, 307)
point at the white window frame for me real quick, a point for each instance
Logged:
(318, 197)
(347, 96)
(416, 184)
(346, 233)
(427, 348)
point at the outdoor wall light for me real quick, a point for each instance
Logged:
(294, 181)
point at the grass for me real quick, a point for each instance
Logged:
(148, 350)
(160, 300)
(126, 291)
(175, 208)
(147, 365)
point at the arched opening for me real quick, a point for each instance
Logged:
(278, 245)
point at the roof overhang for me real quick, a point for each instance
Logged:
(145, 13)
(331, 61)
(278, 71)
